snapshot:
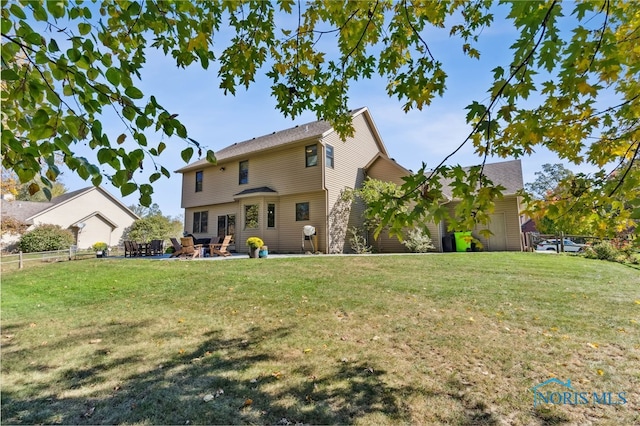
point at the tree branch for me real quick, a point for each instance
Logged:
(415, 32)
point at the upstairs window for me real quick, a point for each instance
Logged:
(311, 155)
(200, 222)
(199, 181)
(243, 175)
(329, 156)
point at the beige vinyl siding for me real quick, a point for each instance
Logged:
(509, 205)
(350, 158)
(286, 237)
(387, 244)
(214, 211)
(290, 234)
(96, 229)
(386, 171)
(282, 170)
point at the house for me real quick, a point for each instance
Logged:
(274, 185)
(92, 214)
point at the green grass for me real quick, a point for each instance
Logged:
(420, 339)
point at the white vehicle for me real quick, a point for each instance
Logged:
(554, 245)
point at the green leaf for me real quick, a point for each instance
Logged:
(154, 177)
(53, 46)
(128, 112)
(6, 25)
(211, 157)
(105, 155)
(161, 147)
(96, 129)
(84, 28)
(83, 172)
(128, 188)
(140, 138)
(133, 92)
(180, 129)
(145, 200)
(74, 55)
(113, 76)
(41, 57)
(34, 38)
(134, 8)
(17, 11)
(9, 75)
(186, 154)
(55, 8)
(73, 125)
(119, 178)
(92, 74)
(142, 122)
(40, 117)
(96, 180)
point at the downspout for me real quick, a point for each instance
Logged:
(326, 197)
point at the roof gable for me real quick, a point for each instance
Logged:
(505, 173)
(305, 132)
(26, 211)
(98, 214)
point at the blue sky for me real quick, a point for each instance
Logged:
(216, 120)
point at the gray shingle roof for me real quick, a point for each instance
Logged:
(264, 189)
(312, 130)
(505, 173)
(23, 210)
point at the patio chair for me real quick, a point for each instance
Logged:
(189, 250)
(220, 249)
(132, 248)
(137, 249)
(128, 249)
(177, 248)
(156, 247)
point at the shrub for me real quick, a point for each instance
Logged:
(418, 241)
(46, 238)
(604, 250)
(358, 241)
(156, 227)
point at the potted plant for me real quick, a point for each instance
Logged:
(254, 244)
(100, 248)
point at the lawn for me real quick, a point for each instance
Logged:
(421, 339)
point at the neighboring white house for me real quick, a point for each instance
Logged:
(92, 214)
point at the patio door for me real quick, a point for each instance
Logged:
(227, 225)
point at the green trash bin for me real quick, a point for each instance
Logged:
(463, 241)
